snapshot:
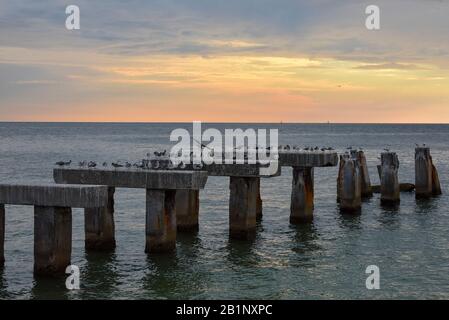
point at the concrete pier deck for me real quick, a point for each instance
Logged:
(52, 219)
(160, 185)
(303, 164)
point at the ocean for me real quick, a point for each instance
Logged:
(326, 259)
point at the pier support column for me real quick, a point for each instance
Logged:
(423, 173)
(389, 182)
(52, 240)
(160, 221)
(2, 235)
(366, 190)
(301, 206)
(242, 207)
(350, 185)
(99, 226)
(436, 187)
(187, 209)
(259, 204)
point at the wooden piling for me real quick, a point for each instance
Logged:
(389, 184)
(301, 207)
(350, 185)
(2, 235)
(99, 226)
(242, 207)
(187, 210)
(160, 221)
(52, 240)
(339, 177)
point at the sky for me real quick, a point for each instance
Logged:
(225, 61)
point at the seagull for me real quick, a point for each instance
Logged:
(349, 148)
(92, 164)
(105, 164)
(182, 165)
(156, 164)
(82, 163)
(63, 163)
(163, 153)
(197, 166)
(117, 165)
(127, 164)
(387, 150)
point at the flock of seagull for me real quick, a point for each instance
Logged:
(160, 159)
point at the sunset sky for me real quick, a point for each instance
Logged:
(224, 60)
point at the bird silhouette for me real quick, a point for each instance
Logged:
(82, 163)
(92, 164)
(117, 165)
(63, 163)
(105, 164)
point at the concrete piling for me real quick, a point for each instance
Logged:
(436, 187)
(301, 206)
(423, 173)
(2, 235)
(160, 226)
(389, 183)
(242, 207)
(187, 209)
(350, 185)
(366, 190)
(427, 182)
(52, 240)
(99, 226)
(259, 203)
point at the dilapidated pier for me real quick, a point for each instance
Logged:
(172, 198)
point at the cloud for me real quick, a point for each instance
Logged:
(389, 66)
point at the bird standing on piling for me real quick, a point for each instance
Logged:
(92, 164)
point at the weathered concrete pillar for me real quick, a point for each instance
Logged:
(340, 177)
(389, 182)
(242, 207)
(259, 205)
(160, 221)
(187, 209)
(99, 225)
(436, 187)
(366, 190)
(2, 235)
(423, 173)
(52, 240)
(301, 206)
(350, 185)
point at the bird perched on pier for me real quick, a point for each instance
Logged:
(386, 150)
(287, 147)
(105, 164)
(349, 148)
(116, 165)
(82, 163)
(182, 165)
(155, 165)
(127, 164)
(316, 148)
(91, 164)
(63, 163)
(163, 153)
(197, 166)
